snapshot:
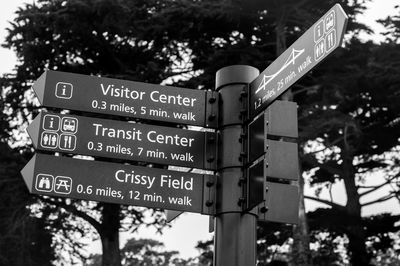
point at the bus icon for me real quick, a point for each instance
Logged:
(69, 125)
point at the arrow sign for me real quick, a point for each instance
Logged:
(126, 98)
(123, 140)
(303, 55)
(117, 183)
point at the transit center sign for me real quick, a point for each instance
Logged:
(303, 55)
(126, 98)
(123, 140)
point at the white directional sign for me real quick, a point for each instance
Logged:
(308, 51)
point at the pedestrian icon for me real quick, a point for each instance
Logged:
(44, 182)
(63, 185)
(51, 122)
(67, 142)
(49, 140)
(64, 90)
(69, 124)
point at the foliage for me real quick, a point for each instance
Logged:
(24, 240)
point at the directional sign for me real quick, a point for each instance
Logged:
(123, 140)
(281, 204)
(308, 51)
(126, 98)
(278, 120)
(117, 183)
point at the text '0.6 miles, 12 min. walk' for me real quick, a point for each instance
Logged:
(126, 98)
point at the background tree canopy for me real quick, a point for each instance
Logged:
(349, 116)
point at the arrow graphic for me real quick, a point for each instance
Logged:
(320, 40)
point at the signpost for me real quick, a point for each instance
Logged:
(123, 140)
(303, 55)
(126, 98)
(118, 183)
(257, 166)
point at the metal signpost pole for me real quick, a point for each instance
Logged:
(235, 231)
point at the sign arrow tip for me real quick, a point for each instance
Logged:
(28, 172)
(39, 85)
(33, 130)
(172, 215)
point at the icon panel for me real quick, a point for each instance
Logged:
(69, 125)
(64, 90)
(44, 183)
(330, 21)
(63, 185)
(49, 139)
(51, 122)
(319, 31)
(67, 142)
(319, 50)
(330, 40)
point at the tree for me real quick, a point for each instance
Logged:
(24, 239)
(145, 252)
(354, 128)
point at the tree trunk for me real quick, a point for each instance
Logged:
(109, 234)
(301, 244)
(355, 232)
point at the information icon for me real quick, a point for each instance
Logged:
(64, 90)
(51, 122)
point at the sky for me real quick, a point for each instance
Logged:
(188, 229)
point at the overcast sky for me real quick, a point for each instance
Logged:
(190, 228)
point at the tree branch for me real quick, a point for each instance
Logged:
(385, 198)
(374, 188)
(76, 212)
(327, 202)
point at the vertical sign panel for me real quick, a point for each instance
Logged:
(281, 204)
(278, 120)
